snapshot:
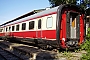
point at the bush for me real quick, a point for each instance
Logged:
(86, 46)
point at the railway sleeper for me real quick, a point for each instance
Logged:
(24, 54)
(40, 54)
(12, 50)
(28, 52)
(8, 55)
(4, 45)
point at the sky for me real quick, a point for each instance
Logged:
(10, 9)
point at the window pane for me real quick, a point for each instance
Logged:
(23, 26)
(1, 30)
(6, 29)
(31, 25)
(39, 24)
(17, 27)
(13, 28)
(9, 28)
(49, 22)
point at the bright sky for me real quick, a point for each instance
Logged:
(10, 9)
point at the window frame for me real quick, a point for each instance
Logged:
(23, 28)
(17, 29)
(1, 30)
(52, 22)
(39, 23)
(32, 26)
(6, 29)
(9, 28)
(13, 28)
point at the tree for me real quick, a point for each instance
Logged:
(85, 4)
(86, 46)
(59, 2)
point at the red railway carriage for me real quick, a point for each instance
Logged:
(61, 27)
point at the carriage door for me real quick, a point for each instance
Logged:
(39, 29)
(73, 26)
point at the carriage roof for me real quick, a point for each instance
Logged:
(32, 14)
(29, 15)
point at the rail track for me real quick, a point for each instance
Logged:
(7, 55)
(17, 51)
(25, 52)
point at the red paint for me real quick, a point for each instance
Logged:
(50, 34)
(63, 29)
(81, 29)
(39, 34)
(1, 34)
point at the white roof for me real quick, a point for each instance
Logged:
(35, 15)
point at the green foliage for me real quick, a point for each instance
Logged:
(67, 54)
(86, 47)
(59, 2)
(84, 4)
(86, 56)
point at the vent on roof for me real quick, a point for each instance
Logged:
(47, 8)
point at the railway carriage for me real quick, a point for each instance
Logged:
(61, 27)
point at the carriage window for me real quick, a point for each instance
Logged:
(23, 26)
(17, 27)
(9, 28)
(13, 28)
(6, 29)
(49, 22)
(1, 30)
(39, 24)
(31, 25)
